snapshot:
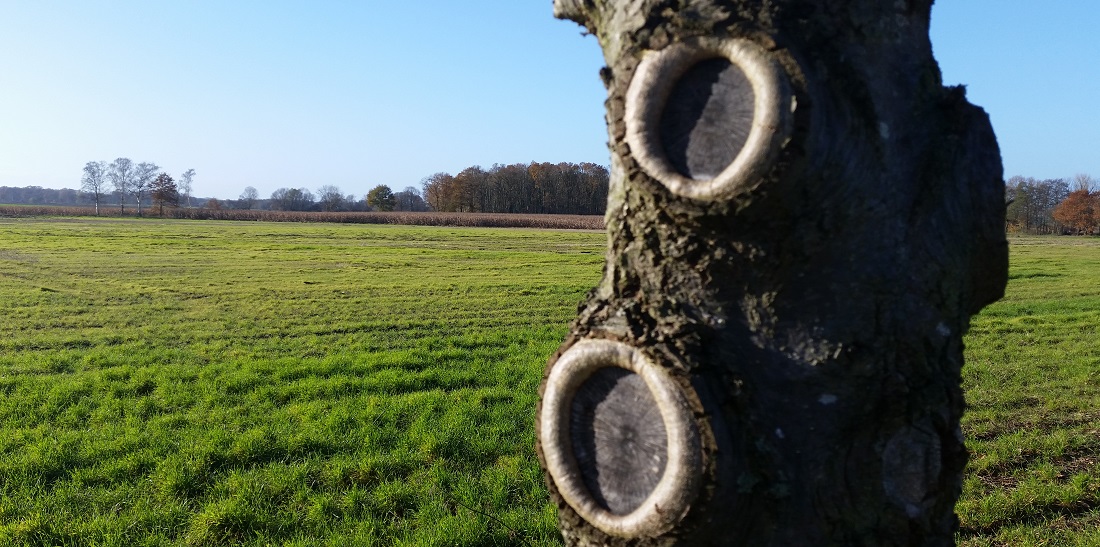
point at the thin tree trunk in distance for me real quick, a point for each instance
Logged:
(801, 221)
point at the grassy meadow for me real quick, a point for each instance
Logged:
(1032, 380)
(201, 383)
(222, 383)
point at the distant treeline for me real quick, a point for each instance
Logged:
(327, 198)
(68, 197)
(1031, 204)
(533, 188)
(1052, 206)
(37, 195)
(1049, 206)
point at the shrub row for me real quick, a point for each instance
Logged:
(487, 220)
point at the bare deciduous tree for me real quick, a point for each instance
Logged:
(248, 197)
(1084, 181)
(184, 186)
(437, 189)
(144, 174)
(330, 198)
(94, 181)
(292, 199)
(121, 174)
(409, 200)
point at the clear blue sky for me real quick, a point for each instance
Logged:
(301, 94)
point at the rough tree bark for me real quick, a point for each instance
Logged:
(801, 221)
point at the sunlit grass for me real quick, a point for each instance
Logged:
(1032, 382)
(206, 383)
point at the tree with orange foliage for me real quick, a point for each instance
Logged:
(1080, 211)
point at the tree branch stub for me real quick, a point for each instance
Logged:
(743, 123)
(564, 422)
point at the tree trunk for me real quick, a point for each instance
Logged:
(801, 222)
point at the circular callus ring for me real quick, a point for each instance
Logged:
(619, 439)
(708, 117)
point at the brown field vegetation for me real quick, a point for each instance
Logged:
(482, 220)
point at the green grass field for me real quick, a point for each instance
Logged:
(209, 383)
(1032, 381)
